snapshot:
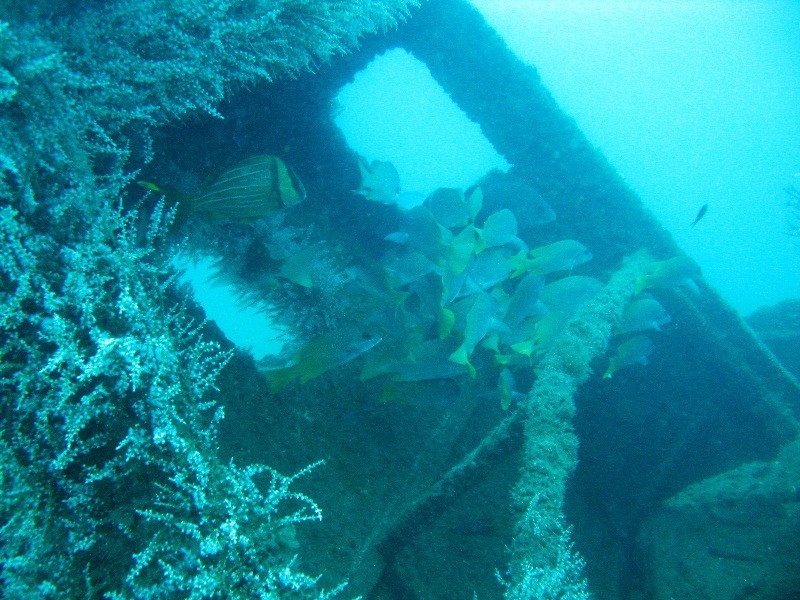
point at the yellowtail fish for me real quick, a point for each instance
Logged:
(452, 209)
(631, 352)
(479, 321)
(524, 302)
(568, 294)
(525, 202)
(486, 270)
(255, 188)
(507, 389)
(563, 255)
(321, 354)
(426, 360)
(499, 229)
(675, 271)
(298, 268)
(545, 332)
(641, 315)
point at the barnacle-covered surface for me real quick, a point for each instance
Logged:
(431, 475)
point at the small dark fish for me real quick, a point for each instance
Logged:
(700, 214)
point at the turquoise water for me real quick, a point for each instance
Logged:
(694, 103)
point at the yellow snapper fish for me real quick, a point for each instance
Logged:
(425, 235)
(524, 302)
(422, 233)
(374, 280)
(459, 249)
(568, 294)
(631, 352)
(546, 330)
(321, 354)
(452, 209)
(479, 321)
(675, 271)
(426, 360)
(507, 389)
(484, 271)
(528, 205)
(500, 229)
(563, 255)
(402, 266)
(641, 315)
(255, 188)
(380, 181)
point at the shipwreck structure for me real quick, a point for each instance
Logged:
(432, 514)
(712, 400)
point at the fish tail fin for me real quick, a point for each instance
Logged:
(447, 320)
(506, 397)
(291, 190)
(525, 348)
(399, 298)
(475, 202)
(458, 256)
(459, 356)
(641, 284)
(298, 268)
(521, 264)
(610, 370)
(503, 359)
(480, 240)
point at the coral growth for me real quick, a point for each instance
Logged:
(108, 437)
(111, 483)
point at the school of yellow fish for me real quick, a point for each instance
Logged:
(457, 290)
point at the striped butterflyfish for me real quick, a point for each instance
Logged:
(255, 188)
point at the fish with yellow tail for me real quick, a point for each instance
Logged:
(500, 229)
(321, 354)
(545, 332)
(643, 314)
(452, 209)
(673, 272)
(631, 352)
(563, 255)
(507, 389)
(479, 320)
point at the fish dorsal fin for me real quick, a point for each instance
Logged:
(447, 320)
(475, 202)
(460, 356)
